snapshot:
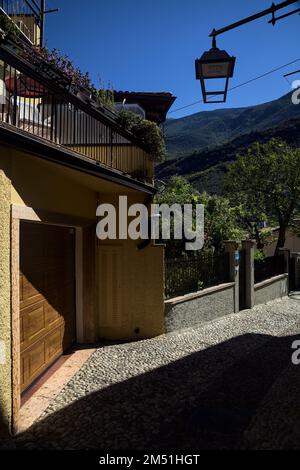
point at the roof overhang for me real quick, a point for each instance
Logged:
(156, 105)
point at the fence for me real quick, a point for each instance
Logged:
(184, 276)
(26, 15)
(268, 268)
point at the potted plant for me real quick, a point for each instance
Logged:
(147, 132)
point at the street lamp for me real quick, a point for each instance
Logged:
(214, 64)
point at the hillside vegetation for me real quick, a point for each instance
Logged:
(206, 167)
(213, 128)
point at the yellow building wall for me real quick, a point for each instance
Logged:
(28, 26)
(129, 281)
(130, 286)
(138, 303)
(39, 185)
(128, 159)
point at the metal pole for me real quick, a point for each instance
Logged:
(291, 73)
(42, 21)
(286, 15)
(272, 10)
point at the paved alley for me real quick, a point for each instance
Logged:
(226, 384)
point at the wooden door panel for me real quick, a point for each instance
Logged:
(53, 344)
(33, 287)
(33, 323)
(47, 296)
(32, 363)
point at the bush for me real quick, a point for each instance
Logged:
(8, 26)
(147, 132)
(259, 255)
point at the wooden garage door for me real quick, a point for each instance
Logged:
(47, 296)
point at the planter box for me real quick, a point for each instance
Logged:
(84, 95)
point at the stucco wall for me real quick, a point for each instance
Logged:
(41, 185)
(292, 243)
(130, 285)
(137, 309)
(195, 309)
(131, 291)
(5, 302)
(136, 285)
(274, 288)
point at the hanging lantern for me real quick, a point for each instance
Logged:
(214, 64)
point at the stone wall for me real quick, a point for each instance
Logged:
(271, 289)
(193, 309)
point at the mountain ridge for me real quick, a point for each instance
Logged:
(208, 129)
(206, 169)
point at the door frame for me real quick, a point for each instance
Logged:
(27, 214)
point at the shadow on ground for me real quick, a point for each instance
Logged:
(207, 400)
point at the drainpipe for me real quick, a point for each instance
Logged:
(144, 243)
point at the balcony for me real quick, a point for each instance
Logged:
(37, 100)
(25, 14)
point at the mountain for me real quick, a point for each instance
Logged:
(206, 169)
(209, 129)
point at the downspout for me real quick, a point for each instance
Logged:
(144, 243)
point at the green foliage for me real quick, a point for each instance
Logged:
(62, 63)
(8, 26)
(207, 130)
(147, 132)
(264, 184)
(105, 95)
(206, 168)
(220, 221)
(178, 191)
(259, 255)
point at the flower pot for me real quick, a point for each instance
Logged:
(84, 95)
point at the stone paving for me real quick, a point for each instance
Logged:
(227, 384)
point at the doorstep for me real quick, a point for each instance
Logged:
(44, 393)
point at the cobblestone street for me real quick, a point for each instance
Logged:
(226, 384)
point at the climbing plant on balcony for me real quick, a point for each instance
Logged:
(62, 63)
(8, 26)
(70, 74)
(73, 75)
(147, 132)
(105, 95)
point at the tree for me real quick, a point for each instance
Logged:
(220, 222)
(265, 185)
(176, 191)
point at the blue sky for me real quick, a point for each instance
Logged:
(151, 45)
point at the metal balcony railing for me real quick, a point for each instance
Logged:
(53, 114)
(26, 16)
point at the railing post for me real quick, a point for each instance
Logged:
(296, 257)
(232, 248)
(286, 253)
(249, 247)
